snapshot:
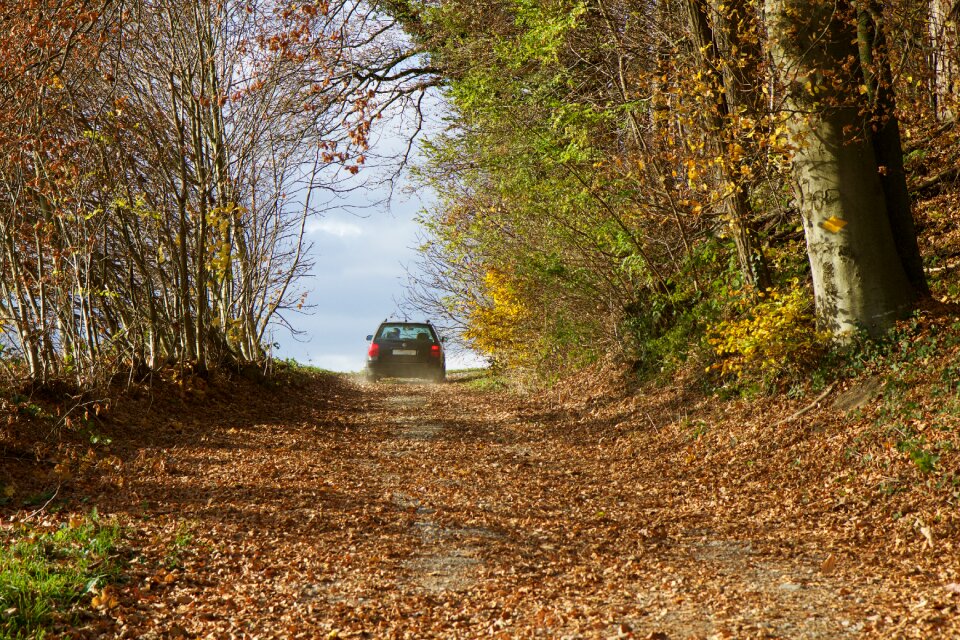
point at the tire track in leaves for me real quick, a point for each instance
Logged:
(447, 560)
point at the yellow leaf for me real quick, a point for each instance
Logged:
(833, 224)
(105, 600)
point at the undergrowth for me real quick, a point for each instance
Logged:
(487, 379)
(919, 409)
(747, 342)
(45, 573)
(773, 338)
(665, 330)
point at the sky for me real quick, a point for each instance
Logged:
(357, 281)
(362, 247)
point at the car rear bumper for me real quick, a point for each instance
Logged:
(405, 369)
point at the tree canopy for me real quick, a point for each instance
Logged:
(160, 160)
(639, 178)
(626, 177)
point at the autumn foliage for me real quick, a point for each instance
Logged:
(159, 162)
(624, 165)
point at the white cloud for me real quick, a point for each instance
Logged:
(338, 228)
(339, 362)
(466, 360)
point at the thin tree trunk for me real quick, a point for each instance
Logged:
(942, 31)
(185, 317)
(753, 262)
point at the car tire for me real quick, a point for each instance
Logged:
(373, 378)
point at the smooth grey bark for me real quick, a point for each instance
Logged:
(858, 277)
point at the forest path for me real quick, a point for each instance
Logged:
(407, 510)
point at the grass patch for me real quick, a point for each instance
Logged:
(480, 379)
(45, 573)
(179, 546)
(292, 366)
(289, 373)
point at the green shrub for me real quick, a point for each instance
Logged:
(666, 328)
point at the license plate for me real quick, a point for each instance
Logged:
(404, 352)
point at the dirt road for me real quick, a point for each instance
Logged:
(416, 511)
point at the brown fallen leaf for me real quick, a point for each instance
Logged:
(928, 536)
(534, 529)
(828, 565)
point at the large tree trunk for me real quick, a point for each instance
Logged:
(859, 279)
(885, 136)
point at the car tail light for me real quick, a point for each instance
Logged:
(435, 350)
(374, 350)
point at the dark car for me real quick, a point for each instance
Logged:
(406, 350)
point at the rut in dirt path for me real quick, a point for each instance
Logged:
(448, 561)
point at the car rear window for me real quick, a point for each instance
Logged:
(405, 332)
